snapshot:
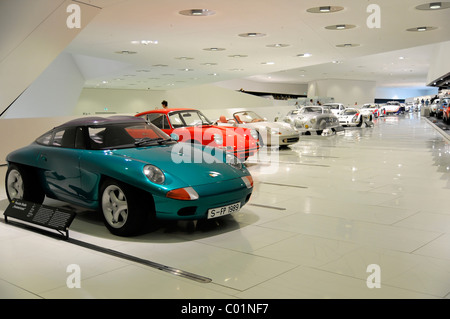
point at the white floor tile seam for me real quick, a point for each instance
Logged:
(367, 226)
(282, 204)
(18, 289)
(382, 283)
(253, 293)
(428, 243)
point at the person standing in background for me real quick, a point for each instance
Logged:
(164, 104)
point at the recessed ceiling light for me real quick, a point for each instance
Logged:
(238, 56)
(268, 63)
(401, 58)
(186, 69)
(421, 29)
(125, 52)
(340, 27)
(434, 6)
(304, 55)
(347, 45)
(252, 35)
(145, 42)
(197, 12)
(209, 63)
(214, 49)
(184, 58)
(337, 62)
(277, 45)
(325, 9)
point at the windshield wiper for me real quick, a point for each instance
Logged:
(146, 140)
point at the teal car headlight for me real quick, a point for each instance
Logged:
(233, 161)
(154, 174)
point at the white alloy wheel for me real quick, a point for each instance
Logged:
(115, 206)
(14, 184)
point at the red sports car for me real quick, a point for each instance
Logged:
(192, 126)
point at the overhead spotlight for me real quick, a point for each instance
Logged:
(325, 9)
(304, 55)
(435, 5)
(420, 29)
(340, 26)
(252, 35)
(197, 12)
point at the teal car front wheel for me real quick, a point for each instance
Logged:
(124, 212)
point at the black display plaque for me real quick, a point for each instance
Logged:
(55, 218)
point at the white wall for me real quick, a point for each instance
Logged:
(403, 93)
(343, 91)
(54, 93)
(204, 97)
(440, 63)
(31, 40)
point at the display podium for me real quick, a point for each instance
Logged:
(43, 216)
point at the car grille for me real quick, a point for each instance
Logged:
(291, 140)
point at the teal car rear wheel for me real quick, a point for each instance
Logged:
(21, 184)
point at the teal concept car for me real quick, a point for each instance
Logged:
(130, 170)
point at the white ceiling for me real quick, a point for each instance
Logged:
(164, 66)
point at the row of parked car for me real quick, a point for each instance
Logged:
(171, 164)
(440, 108)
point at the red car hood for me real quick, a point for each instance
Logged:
(234, 138)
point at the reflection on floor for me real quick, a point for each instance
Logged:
(360, 214)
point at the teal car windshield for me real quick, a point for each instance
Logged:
(108, 136)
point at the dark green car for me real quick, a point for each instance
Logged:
(130, 170)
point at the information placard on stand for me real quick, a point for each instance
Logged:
(45, 216)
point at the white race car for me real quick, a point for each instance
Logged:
(371, 111)
(394, 107)
(313, 119)
(335, 108)
(352, 117)
(270, 133)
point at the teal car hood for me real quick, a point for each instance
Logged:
(182, 162)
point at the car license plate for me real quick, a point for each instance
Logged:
(224, 210)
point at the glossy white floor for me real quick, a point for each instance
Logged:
(322, 211)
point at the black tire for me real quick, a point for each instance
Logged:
(360, 122)
(21, 183)
(125, 209)
(322, 125)
(261, 142)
